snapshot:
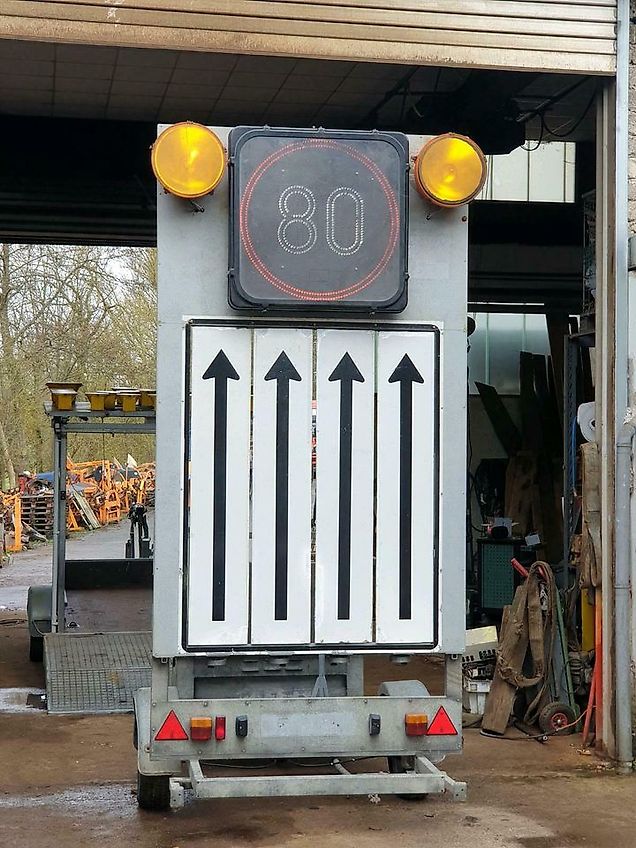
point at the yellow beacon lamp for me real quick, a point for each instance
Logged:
(188, 160)
(450, 170)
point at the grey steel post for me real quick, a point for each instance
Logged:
(622, 597)
(624, 442)
(59, 527)
(571, 349)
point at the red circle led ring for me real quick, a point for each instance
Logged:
(315, 227)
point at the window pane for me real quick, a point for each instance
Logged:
(477, 369)
(505, 337)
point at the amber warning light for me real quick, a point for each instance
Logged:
(188, 160)
(450, 170)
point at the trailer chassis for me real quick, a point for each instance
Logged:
(323, 731)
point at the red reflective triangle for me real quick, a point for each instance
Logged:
(442, 725)
(171, 729)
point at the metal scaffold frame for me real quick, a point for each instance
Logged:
(80, 419)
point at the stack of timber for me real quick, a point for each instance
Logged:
(37, 511)
(15, 530)
(102, 492)
(98, 492)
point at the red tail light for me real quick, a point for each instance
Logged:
(219, 728)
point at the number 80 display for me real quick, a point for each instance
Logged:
(317, 217)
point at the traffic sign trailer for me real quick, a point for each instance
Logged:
(310, 472)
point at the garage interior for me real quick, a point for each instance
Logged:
(76, 126)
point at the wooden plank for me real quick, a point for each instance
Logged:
(520, 484)
(351, 49)
(503, 425)
(513, 641)
(557, 323)
(461, 4)
(85, 509)
(591, 549)
(119, 15)
(551, 427)
(561, 20)
(556, 413)
(550, 529)
(531, 432)
(580, 10)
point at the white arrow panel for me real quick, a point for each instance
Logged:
(344, 507)
(418, 626)
(288, 497)
(203, 536)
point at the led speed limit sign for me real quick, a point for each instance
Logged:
(318, 219)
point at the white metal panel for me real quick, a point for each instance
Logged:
(406, 488)
(218, 538)
(281, 496)
(345, 380)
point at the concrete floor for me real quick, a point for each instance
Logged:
(70, 782)
(101, 610)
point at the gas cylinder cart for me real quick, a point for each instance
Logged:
(306, 270)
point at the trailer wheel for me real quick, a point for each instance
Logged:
(36, 648)
(153, 791)
(557, 719)
(400, 765)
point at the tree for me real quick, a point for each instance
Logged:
(82, 314)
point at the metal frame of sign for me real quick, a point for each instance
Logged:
(311, 647)
(237, 296)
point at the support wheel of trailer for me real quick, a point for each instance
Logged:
(402, 765)
(36, 648)
(153, 791)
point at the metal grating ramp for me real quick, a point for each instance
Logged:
(95, 672)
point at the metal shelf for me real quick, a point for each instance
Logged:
(82, 409)
(110, 421)
(80, 419)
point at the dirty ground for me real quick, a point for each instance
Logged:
(68, 781)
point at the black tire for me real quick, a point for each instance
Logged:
(36, 649)
(400, 765)
(557, 719)
(153, 791)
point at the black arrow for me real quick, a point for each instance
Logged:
(282, 371)
(346, 372)
(221, 370)
(406, 374)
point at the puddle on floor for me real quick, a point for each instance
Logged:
(107, 799)
(22, 700)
